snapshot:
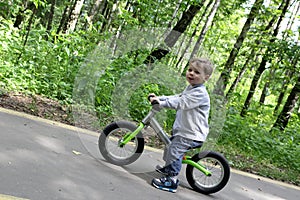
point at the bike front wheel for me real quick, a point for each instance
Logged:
(216, 164)
(109, 143)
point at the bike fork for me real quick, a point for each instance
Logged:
(187, 160)
(129, 136)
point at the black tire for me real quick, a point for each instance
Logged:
(214, 162)
(112, 152)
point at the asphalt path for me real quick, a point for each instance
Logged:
(41, 160)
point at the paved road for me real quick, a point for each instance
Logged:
(41, 160)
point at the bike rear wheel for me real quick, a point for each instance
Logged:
(109, 143)
(216, 164)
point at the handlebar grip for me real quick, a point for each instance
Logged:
(150, 96)
(154, 102)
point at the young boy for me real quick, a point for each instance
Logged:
(191, 124)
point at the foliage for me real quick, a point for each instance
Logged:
(43, 67)
(251, 138)
(49, 64)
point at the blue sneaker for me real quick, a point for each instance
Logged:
(166, 184)
(161, 170)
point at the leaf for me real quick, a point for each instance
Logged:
(67, 51)
(76, 152)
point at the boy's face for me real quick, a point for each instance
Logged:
(196, 75)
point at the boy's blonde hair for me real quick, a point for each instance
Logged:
(205, 63)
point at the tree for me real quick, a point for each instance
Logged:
(175, 13)
(62, 24)
(285, 115)
(175, 33)
(292, 20)
(284, 7)
(224, 77)
(251, 56)
(20, 16)
(288, 74)
(28, 29)
(95, 8)
(192, 36)
(239, 76)
(50, 18)
(74, 15)
(106, 13)
(265, 90)
(205, 27)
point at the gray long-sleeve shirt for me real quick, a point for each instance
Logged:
(192, 107)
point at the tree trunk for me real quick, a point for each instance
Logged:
(191, 38)
(224, 77)
(28, 29)
(187, 45)
(20, 17)
(50, 18)
(114, 42)
(285, 114)
(266, 86)
(105, 13)
(264, 61)
(254, 83)
(175, 33)
(62, 25)
(94, 10)
(238, 78)
(111, 16)
(292, 20)
(174, 13)
(264, 93)
(205, 27)
(252, 55)
(283, 90)
(74, 15)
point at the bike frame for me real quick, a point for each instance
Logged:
(149, 120)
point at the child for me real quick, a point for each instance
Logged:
(191, 124)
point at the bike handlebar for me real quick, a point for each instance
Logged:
(150, 96)
(153, 102)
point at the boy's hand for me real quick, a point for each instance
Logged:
(152, 98)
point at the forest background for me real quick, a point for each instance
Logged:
(54, 49)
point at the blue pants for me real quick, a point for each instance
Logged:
(174, 153)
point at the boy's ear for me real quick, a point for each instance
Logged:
(207, 77)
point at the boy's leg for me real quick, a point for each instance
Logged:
(173, 155)
(166, 149)
(178, 147)
(166, 157)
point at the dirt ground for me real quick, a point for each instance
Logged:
(53, 110)
(38, 106)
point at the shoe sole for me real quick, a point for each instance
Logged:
(163, 188)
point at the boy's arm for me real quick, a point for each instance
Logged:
(199, 97)
(165, 101)
(169, 101)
